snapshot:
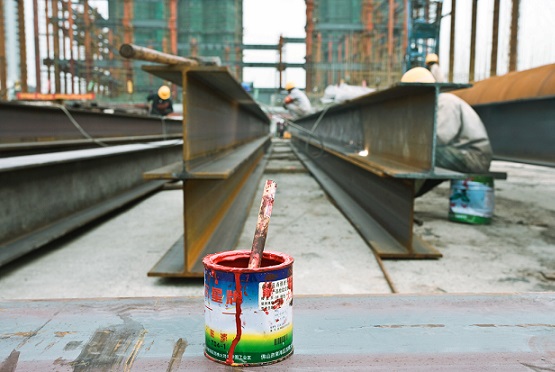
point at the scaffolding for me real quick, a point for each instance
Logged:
(367, 41)
(195, 28)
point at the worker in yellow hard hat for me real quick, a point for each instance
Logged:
(462, 140)
(432, 63)
(296, 101)
(161, 103)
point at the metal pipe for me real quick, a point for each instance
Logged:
(390, 24)
(56, 42)
(22, 46)
(3, 72)
(452, 41)
(132, 51)
(494, 39)
(71, 41)
(37, 45)
(513, 44)
(471, 77)
(47, 33)
(309, 43)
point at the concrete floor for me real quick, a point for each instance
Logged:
(111, 257)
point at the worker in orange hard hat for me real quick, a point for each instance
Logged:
(432, 63)
(462, 140)
(296, 102)
(161, 103)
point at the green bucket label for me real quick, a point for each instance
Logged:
(471, 200)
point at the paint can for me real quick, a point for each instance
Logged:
(248, 312)
(472, 200)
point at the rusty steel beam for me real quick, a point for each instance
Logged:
(517, 109)
(375, 191)
(533, 83)
(521, 131)
(132, 51)
(458, 332)
(368, 153)
(24, 124)
(226, 136)
(92, 183)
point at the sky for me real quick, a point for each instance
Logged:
(265, 20)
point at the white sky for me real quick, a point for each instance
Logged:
(263, 22)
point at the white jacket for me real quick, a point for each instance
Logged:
(462, 141)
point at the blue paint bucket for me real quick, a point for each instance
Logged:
(248, 312)
(472, 200)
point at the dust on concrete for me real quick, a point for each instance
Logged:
(508, 255)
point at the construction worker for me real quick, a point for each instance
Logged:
(161, 102)
(462, 141)
(296, 102)
(432, 63)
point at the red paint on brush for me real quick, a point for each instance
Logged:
(262, 224)
(238, 302)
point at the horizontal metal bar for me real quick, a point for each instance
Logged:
(396, 127)
(215, 213)
(33, 148)
(522, 130)
(40, 123)
(354, 333)
(275, 65)
(226, 135)
(369, 152)
(46, 196)
(380, 208)
(260, 46)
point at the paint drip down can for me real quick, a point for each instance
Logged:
(248, 312)
(472, 200)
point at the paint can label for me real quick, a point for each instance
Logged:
(472, 200)
(248, 316)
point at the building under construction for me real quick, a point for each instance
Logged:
(76, 43)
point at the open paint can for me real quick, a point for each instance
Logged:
(248, 312)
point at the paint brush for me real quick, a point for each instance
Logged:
(262, 223)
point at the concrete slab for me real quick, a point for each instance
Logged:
(507, 256)
(112, 257)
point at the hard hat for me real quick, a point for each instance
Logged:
(432, 58)
(290, 85)
(164, 92)
(418, 75)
